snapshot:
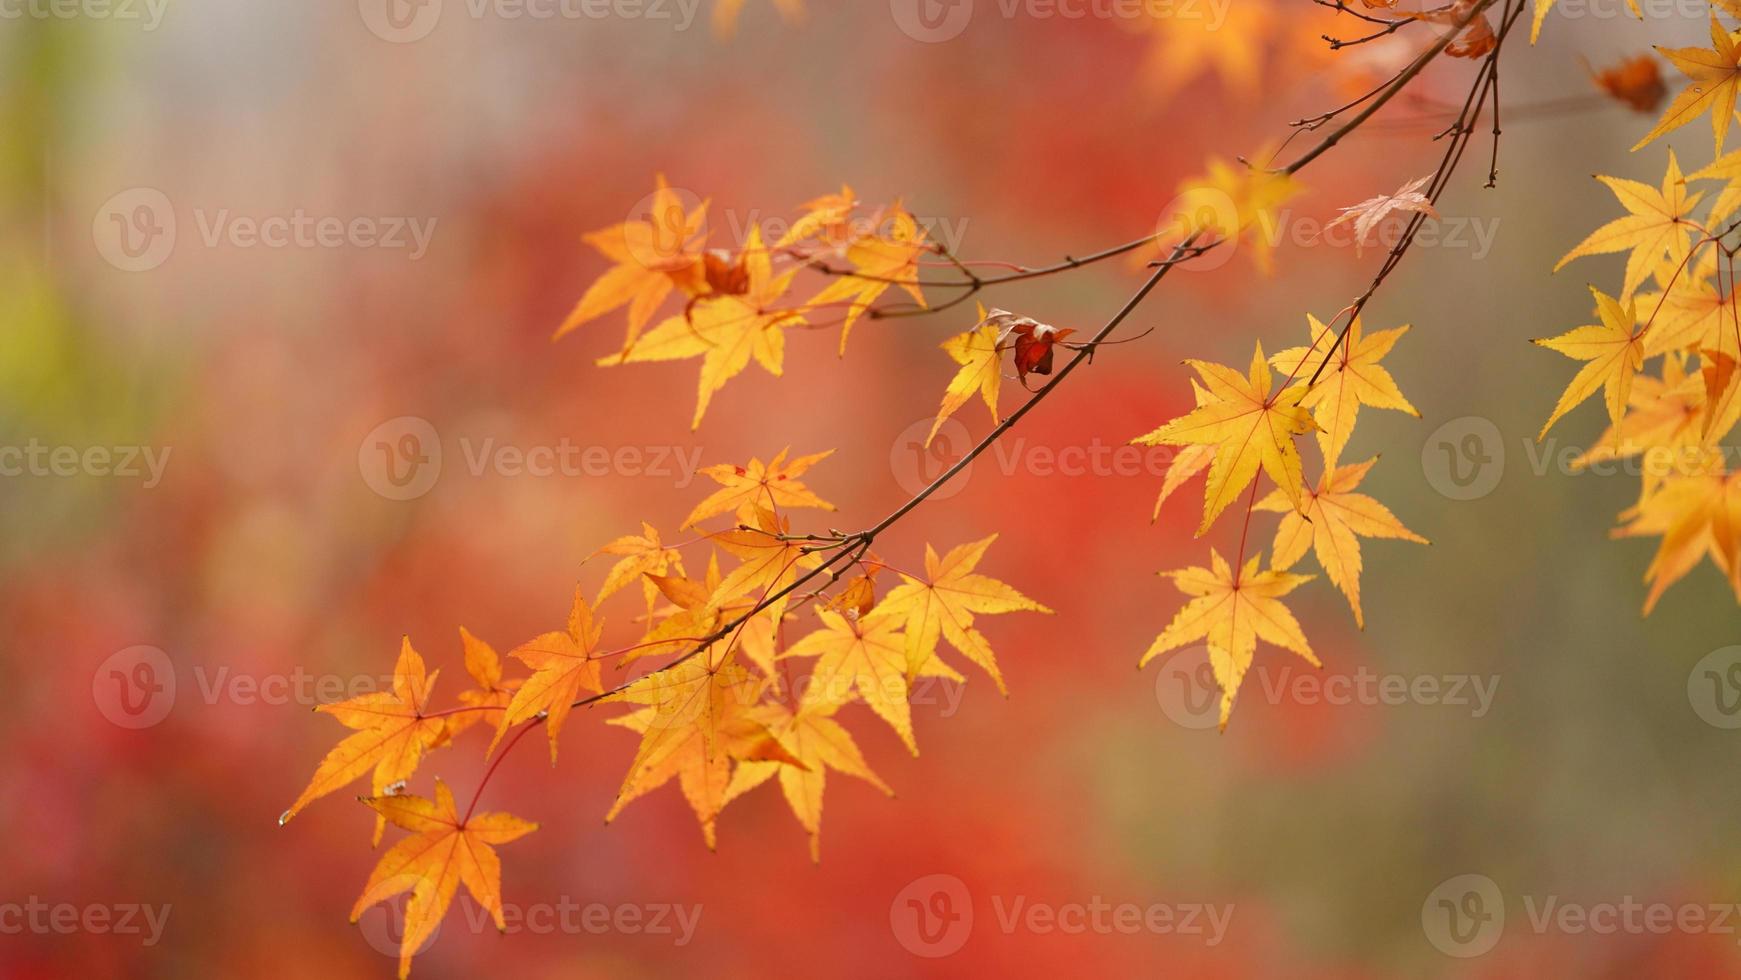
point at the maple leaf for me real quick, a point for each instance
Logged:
(1032, 341)
(1635, 82)
(824, 218)
(392, 732)
(563, 666)
(815, 739)
(867, 656)
(725, 331)
(638, 555)
(1613, 350)
(1662, 413)
(1232, 614)
(879, 261)
(443, 850)
(725, 15)
(1725, 168)
(1247, 425)
(1477, 38)
(1696, 516)
(1237, 203)
(1690, 313)
(1188, 461)
(697, 718)
(1354, 378)
(693, 616)
(771, 561)
(1714, 73)
(1332, 523)
(1656, 225)
(1368, 213)
(653, 255)
(759, 486)
(492, 693)
(981, 372)
(1186, 48)
(944, 603)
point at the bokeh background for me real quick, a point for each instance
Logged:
(263, 564)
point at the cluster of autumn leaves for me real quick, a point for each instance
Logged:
(1246, 423)
(735, 306)
(731, 702)
(1675, 310)
(729, 705)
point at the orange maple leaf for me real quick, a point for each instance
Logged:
(758, 486)
(392, 732)
(654, 253)
(563, 666)
(443, 850)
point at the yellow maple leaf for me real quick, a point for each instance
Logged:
(697, 719)
(444, 849)
(1690, 313)
(771, 561)
(725, 331)
(1726, 168)
(653, 254)
(944, 603)
(1186, 48)
(881, 259)
(1696, 516)
(1232, 614)
(1663, 417)
(1248, 426)
(1353, 378)
(815, 739)
(1714, 73)
(759, 486)
(1332, 523)
(638, 555)
(563, 666)
(492, 692)
(392, 732)
(1656, 225)
(824, 218)
(866, 657)
(1613, 351)
(1231, 201)
(981, 372)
